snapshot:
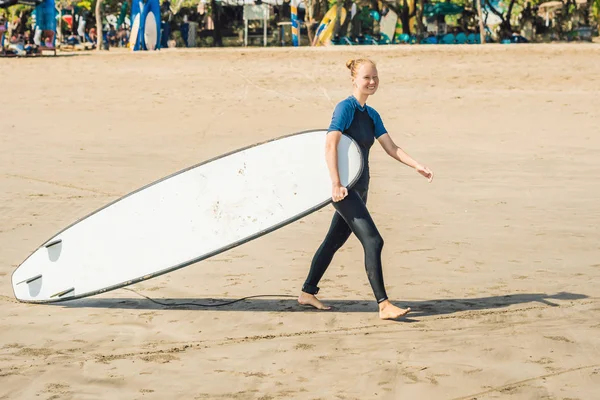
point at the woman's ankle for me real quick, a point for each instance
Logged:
(385, 303)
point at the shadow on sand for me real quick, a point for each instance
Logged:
(419, 308)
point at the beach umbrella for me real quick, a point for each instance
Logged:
(441, 9)
(8, 3)
(69, 20)
(123, 14)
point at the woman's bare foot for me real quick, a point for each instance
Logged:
(307, 299)
(389, 311)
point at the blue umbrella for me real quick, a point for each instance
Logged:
(441, 9)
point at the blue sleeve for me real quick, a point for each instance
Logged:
(342, 117)
(379, 128)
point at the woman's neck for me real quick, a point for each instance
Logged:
(360, 97)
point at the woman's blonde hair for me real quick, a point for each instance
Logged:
(353, 65)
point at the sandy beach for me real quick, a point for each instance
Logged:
(498, 257)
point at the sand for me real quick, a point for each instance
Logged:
(498, 257)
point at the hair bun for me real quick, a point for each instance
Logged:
(350, 64)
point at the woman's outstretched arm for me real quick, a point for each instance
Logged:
(397, 153)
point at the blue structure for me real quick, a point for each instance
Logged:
(45, 18)
(145, 25)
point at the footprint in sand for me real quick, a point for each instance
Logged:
(57, 390)
(159, 358)
(304, 346)
(559, 339)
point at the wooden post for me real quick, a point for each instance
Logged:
(481, 28)
(265, 24)
(100, 37)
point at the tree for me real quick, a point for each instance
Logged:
(480, 20)
(216, 17)
(595, 10)
(505, 26)
(420, 9)
(405, 12)
(99, 33)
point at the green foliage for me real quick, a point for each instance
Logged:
(85, 4)
(16, 10)
(108, 6)
(177, 5)
(189, 3)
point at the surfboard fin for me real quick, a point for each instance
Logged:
(64, 292)
(53, 243)
(29, 280)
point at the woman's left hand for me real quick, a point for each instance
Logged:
(426, 172)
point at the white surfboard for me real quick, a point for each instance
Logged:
(150, 31)
(388, 23)
(134, 36)
(186, 217)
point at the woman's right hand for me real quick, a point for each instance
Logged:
(338, 193)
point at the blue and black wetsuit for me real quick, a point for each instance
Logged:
(364, 125)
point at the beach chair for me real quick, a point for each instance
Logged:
(405, 38)
(461, 38)
(473, 38)
(518, 39)
(368, 40)
(429, 40)
(448, 39)
(336, 40)
(342, 41)
(385, 39)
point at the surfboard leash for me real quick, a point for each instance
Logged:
(177, 304)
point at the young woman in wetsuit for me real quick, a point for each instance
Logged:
(355, 118)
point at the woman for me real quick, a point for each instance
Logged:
(362, 123)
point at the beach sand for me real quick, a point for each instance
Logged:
(498, 257)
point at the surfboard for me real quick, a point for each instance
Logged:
(150, 32)
(327, 25)
(145, 29)
(134, 42)
(152, 25)
(387, 25)
(186, 217)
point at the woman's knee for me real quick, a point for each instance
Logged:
(378, 242)
(374, 243)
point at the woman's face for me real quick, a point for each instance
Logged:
(366, 80)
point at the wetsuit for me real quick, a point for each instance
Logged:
(364, 125)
